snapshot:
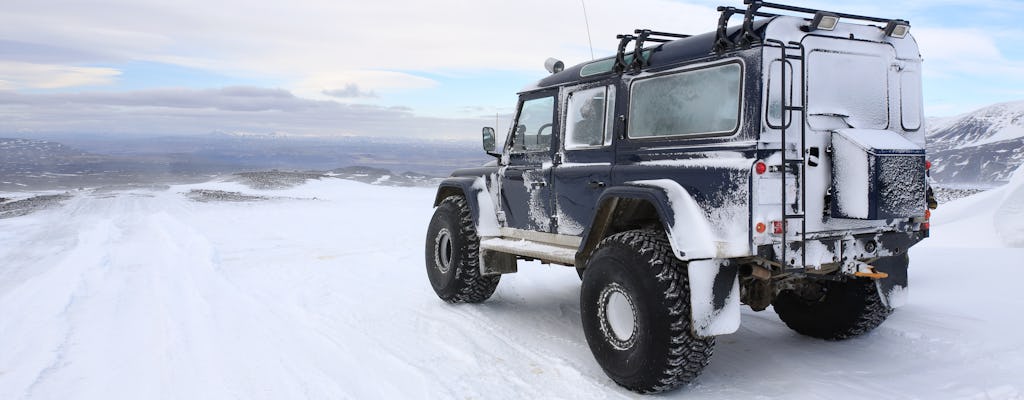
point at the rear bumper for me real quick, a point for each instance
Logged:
(829, 253)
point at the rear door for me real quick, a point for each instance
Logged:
(585, 166)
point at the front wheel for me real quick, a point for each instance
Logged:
(453, 255)
(635, 307)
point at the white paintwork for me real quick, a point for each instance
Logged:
(898, 65)
(872, 139)
(487, 220)
(620, 315)
(693, 235)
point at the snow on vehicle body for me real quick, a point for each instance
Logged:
(775, 161)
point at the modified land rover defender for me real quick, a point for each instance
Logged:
(778, 162)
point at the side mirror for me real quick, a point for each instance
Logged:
(488, 136)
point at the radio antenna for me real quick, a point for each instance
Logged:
(587, 21)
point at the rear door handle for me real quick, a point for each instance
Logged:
(596, 184)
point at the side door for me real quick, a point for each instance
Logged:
(526, 175)
(586, 157)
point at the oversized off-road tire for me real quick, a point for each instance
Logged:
(453, 255)
(635, 306)
(836, 311)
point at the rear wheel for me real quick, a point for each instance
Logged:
(453, 255)
(833, 310)
(635, 307)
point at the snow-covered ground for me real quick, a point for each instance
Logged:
(321, 293)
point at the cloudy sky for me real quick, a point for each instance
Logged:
(436, 68)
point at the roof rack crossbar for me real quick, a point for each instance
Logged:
(812, 11)
(641, 36)
(665, 34)
(749, 37)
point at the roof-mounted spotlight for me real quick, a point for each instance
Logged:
(823, 20)
(554, 65)
(897, 28)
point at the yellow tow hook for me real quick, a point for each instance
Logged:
(873, 274)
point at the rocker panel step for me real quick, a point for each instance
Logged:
(526, 248)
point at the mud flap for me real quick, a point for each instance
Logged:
(497, 263)
(893, 289)
(714, 297)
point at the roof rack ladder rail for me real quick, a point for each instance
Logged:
(800, 171)
(802, 179)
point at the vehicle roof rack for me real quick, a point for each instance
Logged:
(640, 36)
(749, 37)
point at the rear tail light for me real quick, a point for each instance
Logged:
(760, 167)
(777, 227)
(760, 227)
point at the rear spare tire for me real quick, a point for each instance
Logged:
(833, 310)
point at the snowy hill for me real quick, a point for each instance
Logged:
(986, 145)
(319, 292)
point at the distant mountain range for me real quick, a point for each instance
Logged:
(97, 160)
(984, 146)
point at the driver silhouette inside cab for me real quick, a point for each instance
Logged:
(589, 130)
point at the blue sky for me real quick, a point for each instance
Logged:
(444, 66)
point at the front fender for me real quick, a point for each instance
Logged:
(481, 204)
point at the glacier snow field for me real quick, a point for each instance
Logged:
(320, 292)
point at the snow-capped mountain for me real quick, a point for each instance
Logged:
(984, 146)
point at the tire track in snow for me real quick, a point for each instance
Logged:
(54, 296)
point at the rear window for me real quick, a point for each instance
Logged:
(698, 102)
(851, 86)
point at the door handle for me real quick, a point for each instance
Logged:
(596, 184)
(538, 184)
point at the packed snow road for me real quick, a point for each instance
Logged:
(320, 293)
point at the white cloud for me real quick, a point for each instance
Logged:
(313, 42)
(24, 75)
(317, 86)
(230, 109)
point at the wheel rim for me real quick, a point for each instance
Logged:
(617, 314)
(443, 249)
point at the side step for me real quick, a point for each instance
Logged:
(526, 248)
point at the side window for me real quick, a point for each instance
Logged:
(775, 91)
(696, 102)
(588, 120)
(533, 129)
(910, 96)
